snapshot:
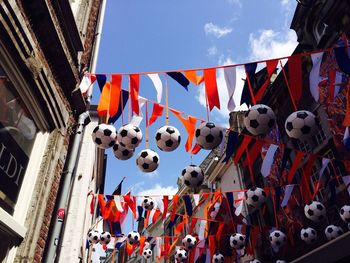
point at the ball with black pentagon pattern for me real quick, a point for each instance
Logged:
(278, 239)
(105, 238)
(148, 203)
(94, 236)
(181, 255)
(259, 120)
(208, 135)
(255, 261)
(333, 232)
(147, 253)
(104, 135)
(192, 176)
(133, 238)
(189, 242)
(218, 258)
(308, 235)
(315, 211)
(301, 125)
(168, 138)
(129, 136)
(147, 160)
(121, 152)
(255, 197)
(345, 213)
(237, 241)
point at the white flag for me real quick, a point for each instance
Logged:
(118, 203)
(314, 76)
(230, 79)
(157, 84)
(85, 84)
(137, 119)
(268, 160)
(287, 193)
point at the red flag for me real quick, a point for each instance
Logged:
(103, 104)
(115, 90)
(175, 200)
(142, 244)
(254, 152)
(156, 112)
(271, 67)
(219, 231)
(241, 149)
(296, 163)
(165, 204)
(305, 179)
(193, 224)
(131, 203)
(92, 204)
(196, 149)
(155, 216)
(212, 245)
(134, 92)
(295, 76)
(180, 227)
(211, 88)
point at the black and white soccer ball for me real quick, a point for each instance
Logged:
(208, 135)
(129, 136)
(105, 238)
(308, 235)
(181, 255)
(333, 232)
(255, 261)
(133, 237)
(301, 125)
(147, 253)
(147, 160)
(280, 261)
(121, 152)
(148, 203)
(345, 213)
(259, 120)
(278, 239)
(315, 211)
(94, 236)
(104, 135)
(215, 210)
(255, 197)
(218, 258)
(168, 138)
(189, 242)
(192, 176)
(237, 241)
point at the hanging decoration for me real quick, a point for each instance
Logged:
(333, 232)
(133, 238)
(181, 255)
(218, 258)
(104, 136)
(168, 138)
(208, 136)
(121, 152)
(129, 136)
(301, 125)
(237, 241)
(147, 253)
(255, 197)
(105, 238)
(259, 119)
(189, 242)
(278, 239)
(315, 211)
(148, 203)
(308, 235)
(147, 160)
(192, 176)
(345, 213)
(94, 237)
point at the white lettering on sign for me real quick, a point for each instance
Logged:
(13, 170)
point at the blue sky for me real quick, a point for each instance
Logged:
(166, 35)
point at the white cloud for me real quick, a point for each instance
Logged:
(158, 189)
(235, 2)
(285, 2)
(212, 51)
(215, 30)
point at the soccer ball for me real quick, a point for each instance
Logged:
(208, 135)
(301, 125)
(147, 253)
(345, 213)
(308, 235)
(333, 232)
(181, 255)
(129, 136)
(218, 258)
(189, 242)
(104, 135)
(133, 237)
(237, 241)
(168, 138)
(94, 237)
(105, 238)
(192, 176)
(215, 210)
(280, 261)
(255, 197)
(278, 239)
(259, 120)
(255, 261)
(121, 152)
(315, 211)
(148, 203)
(147, 160)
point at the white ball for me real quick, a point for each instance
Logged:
(133, 237)
(192, 176)
(315, 211)
(218, 258)
(129, 136)
(94, 236)
(168, 138)
(333, 232)
(308, 235)
(148, 203)
(237, 241)
(189, 242)
(255, 197)
(181, 255)
(104, 135)
(260, 119)
(255, 261)
(345, 213)
(208, 135)
(278, 239)
(147, 160)
(301, 125)
(147, 253)
(121, 152)
(105, 238)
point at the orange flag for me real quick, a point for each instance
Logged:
(103, 104)
(115, 88)
(134, 92)
(211, 88)
(192, 76)
(172, 245)
(156, 112)
(142, 244)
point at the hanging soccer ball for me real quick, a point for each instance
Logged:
(301, 125)
(255, 261)
(333, 232)
(315, 211)
(215, 210)
(104, 135)
(189, 242)
(133, 237)
(105, 238)
(308, 235)
(121, 152)
(345, 213)
(237, 241)
(259, 120)
(168, 138)
(94, 236)
(192, 176)
(147, 160)
(255, 197)
(147, 253)
(278, 239)
(181, 255)
(129, 136)
(208, 135)
(148, 203)
(218, 258)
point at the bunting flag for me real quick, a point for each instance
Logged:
(325, 162)
(296, 162)
(137, 119)
(134, 93)
(103, 104)
(165, 206)
(271, 66)
(343, 60)
(175, 200)
(124, 95)
(156, 112)
(346, 121)
(253, 152)
(346, 181)
(295, 77)
(86, 83)
(285, 157)
(250, 69)
(287, 193)
(268, 160)
(211, 88)
(314, 77)
(346, 139)
(92, 203)
(241, 148)
(305, 179)
(157, 85)
(230, 80)
(101, 81)
(231, 146)
(179, 78)
(115, 89)
(188, 204)
(196, 149)
(192, 76)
